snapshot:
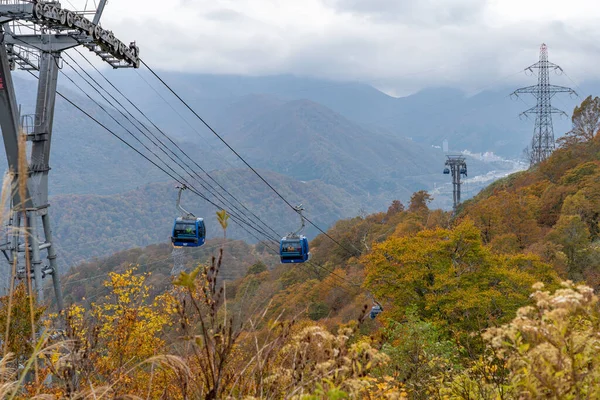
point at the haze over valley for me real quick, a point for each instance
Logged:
(342, 149)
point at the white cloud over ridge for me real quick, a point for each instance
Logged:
(397, 45)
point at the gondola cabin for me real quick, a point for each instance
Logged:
(375, 311)
(188, 232)
(294, 250)
(446, 171)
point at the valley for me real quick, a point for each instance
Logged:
(337, 166)
(250, 200)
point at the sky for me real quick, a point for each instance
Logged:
(398, 46)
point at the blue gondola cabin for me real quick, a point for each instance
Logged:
(294, 250)
(188, 232)
(375, 311)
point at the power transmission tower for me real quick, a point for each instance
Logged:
(32, 36)
(542, 144)
(456, 166)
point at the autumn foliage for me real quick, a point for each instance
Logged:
(494, 302)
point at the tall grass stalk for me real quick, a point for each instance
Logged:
(22, 180)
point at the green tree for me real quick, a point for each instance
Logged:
(579, 204)
(451, 278)
(573, 235)
(419, 353)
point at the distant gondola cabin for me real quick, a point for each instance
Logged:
(375, 311)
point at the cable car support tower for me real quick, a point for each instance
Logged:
(33, 34)
(456, 166)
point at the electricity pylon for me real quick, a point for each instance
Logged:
(542, 144)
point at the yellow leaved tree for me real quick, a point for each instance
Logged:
(115, 341)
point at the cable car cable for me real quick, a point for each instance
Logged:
(143, 155)
(181, 179)
(235, 218)
(145, 135)
(174, 178)
(243, 160)
(166, 136)
(276, 252)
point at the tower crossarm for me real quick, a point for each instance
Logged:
(535, 89)
(71, 29)
(543, 64)
(548, 110)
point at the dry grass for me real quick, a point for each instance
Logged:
(212, 357)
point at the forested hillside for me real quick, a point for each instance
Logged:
(494, 302)
(553, 210)
(374, 158)
(328, 160)
(335, 166)
(321, 159)
(88, 226)
(85, 283)
(299, 200)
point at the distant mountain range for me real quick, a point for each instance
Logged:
(486, 121)
(299, 138)
(335, 147)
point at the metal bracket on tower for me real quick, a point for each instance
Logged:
(184, 213)
(299, 210)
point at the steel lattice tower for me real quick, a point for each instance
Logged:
(542, 144)
(33, 34)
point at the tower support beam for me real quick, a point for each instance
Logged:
(42, 131)
(9, 123)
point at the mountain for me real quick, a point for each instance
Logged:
(523, 256)
(481, 122)
(347, 98)
(307, 141)
(550, 210)
(319, 157)
(379, 155)
(87, 159)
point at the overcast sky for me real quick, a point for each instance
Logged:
(399, 46)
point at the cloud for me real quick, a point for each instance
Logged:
(422, 12)
(397, 45)
(225, 15)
